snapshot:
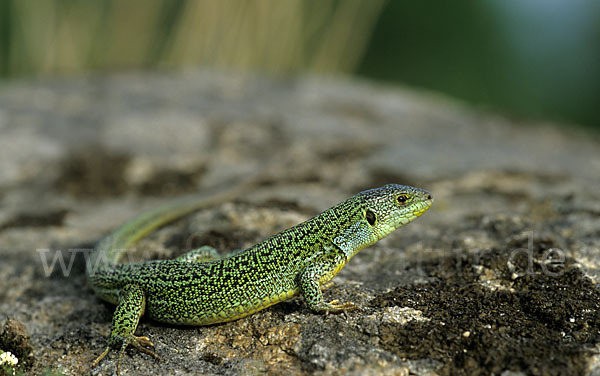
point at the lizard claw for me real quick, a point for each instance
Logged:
(142, 344)
(102, 356)
(335, 307)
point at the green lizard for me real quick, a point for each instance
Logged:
(200, 287)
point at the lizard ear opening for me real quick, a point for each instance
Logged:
(370, 217)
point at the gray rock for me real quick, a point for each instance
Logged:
(499, 277)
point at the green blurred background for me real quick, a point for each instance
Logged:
(535, 59)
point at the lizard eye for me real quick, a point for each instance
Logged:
(370, 216)
(402, 198)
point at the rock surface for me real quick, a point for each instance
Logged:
(499, 277)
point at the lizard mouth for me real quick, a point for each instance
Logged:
(424, 205)
(422, 210)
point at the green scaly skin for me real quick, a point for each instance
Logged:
(201, 287)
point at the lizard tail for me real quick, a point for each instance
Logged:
(112, 247)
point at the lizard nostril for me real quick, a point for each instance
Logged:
(429, 197)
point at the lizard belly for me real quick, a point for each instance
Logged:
(202, 294)
(205, 309)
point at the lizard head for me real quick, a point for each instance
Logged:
(392, 206)
(379, 211)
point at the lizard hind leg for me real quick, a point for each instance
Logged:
(205, 254)
(125, 321)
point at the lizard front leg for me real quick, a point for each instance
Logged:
(310, 285)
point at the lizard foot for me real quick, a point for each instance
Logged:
(335, 307)
(142, 344)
